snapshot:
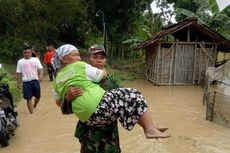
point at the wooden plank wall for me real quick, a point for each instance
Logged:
(150, 68)
(180, 63)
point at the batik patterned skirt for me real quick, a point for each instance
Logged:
(125, 104)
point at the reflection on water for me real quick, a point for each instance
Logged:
(178, 107)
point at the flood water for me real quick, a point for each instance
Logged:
(178, 107)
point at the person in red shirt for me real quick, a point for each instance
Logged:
(47, 60)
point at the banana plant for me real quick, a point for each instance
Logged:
(147, 26)
(209, 13)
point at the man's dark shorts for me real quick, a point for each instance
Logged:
(30, 89)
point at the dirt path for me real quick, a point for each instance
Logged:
(180, 108)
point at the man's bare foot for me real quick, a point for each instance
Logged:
(34, 106)
(162, 129)
(155, 134)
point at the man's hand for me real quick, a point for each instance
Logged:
(19, 86)
(19, 79)
(40, 78)
(40, 74)
(72, 93)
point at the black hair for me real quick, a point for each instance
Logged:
(26, 47)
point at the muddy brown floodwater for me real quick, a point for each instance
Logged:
(178, 107)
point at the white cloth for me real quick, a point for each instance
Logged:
(29, 68)
(65, 50)
(60, 53)
(92, 73)
(215, 73)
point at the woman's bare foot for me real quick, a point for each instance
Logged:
(155, 134)
(162, 129)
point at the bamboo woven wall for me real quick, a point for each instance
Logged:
(174, 63)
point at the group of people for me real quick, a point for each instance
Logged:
(95, 97)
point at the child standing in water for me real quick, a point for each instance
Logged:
(97, 106)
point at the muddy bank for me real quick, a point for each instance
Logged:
(180, 108)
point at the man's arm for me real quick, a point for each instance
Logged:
(40, 69)
(94, 74)
(104, 73)
(72, 93)
(19, 80)
(40, 73)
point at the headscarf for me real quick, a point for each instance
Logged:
(60, 53)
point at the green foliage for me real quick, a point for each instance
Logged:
(11, 69)
(122, 76)
(184, 4)
(166, 13)
(129, 71)
(214, 6)
(146, 26)
(12, 85)
(11, 49)
(41, 22)
(208, 13)
(93, 38)
(119, 16)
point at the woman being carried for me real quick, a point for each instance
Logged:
(97, 106)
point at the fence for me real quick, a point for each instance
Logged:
(217, 94)
(218, 108)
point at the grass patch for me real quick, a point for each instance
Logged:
(127, 72)
(11, 69)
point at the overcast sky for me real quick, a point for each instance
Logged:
(223, 3)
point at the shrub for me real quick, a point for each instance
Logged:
(12, 85)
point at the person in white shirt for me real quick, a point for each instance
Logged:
(29, 73)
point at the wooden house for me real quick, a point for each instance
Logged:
(184, 59)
